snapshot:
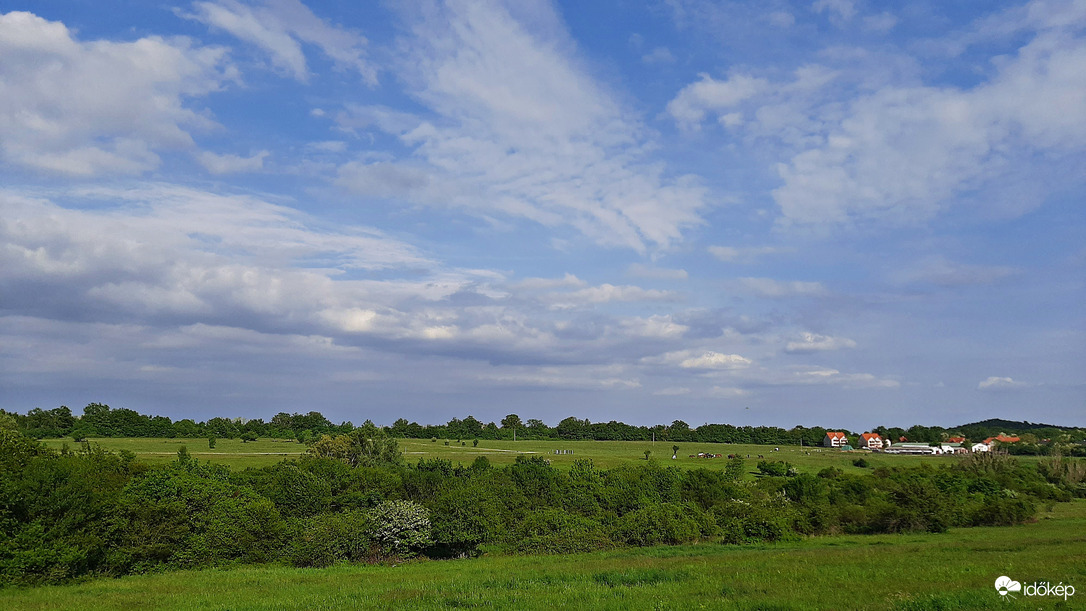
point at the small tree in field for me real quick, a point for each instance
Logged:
(211, 442)
(647, 454)
(475, 443)
(674, 452)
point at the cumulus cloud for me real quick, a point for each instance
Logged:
(1001, 383)
(514, 125)
(99, 107)
(715, 360)
(280, 27)
(694, 101)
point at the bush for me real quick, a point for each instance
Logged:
(775, 468)
(331, 538)
(400, 528)
(554, 531)
(860, 462)
(664, 523)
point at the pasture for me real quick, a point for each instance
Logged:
(949, 571)
(604, 454)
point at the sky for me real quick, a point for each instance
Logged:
(840, 213)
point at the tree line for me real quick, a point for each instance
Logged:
(100, 420)
(72, 514)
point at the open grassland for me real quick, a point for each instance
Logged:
(232, 452)
(954, 570)
(604, 454)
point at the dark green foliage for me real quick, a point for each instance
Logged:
(662, 523)
(554, 531)
(330, 538)
(68, 514)
(775, 468)
(860, 462)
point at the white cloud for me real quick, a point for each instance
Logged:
(659, 55)
(727, 392)
(732, 254)
(695, 100)
(774, 289)
(843, 9)
(900, 153)
(606, 293)
(813, 342)
(517, 127)
(594, 378)
(231, 164)
(863, 140)
(823, 375)
(279, 27)
(88, 108)
(1001, 383)
(715, 360)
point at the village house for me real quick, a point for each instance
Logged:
(981, 447)
(871, 441)
(835, 439)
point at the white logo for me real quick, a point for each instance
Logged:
(1005, 585)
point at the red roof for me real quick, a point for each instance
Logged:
(955, 439)
(870, 436)
(903, 438)
(835, 434)
(1002, 438)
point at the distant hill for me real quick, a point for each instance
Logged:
(993, 426)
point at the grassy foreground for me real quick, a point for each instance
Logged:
(955, 570)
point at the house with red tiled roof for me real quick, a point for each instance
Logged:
(835, 439)
(955, 439)
(1001, 438)
(871, 441)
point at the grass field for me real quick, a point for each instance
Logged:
(604, 454)
(954, 570)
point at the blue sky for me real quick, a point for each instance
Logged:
(835, 213)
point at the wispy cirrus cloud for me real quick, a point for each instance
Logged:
(280, 27)
(515, 125)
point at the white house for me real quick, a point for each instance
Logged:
(871, 441)
(980, 447)
(835, 439)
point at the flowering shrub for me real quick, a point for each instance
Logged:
(400, 528)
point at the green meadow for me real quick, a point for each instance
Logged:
(604, 454)
(954, 570)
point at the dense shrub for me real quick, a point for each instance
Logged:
(553, 531)
(663, 523)
(331, 538)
